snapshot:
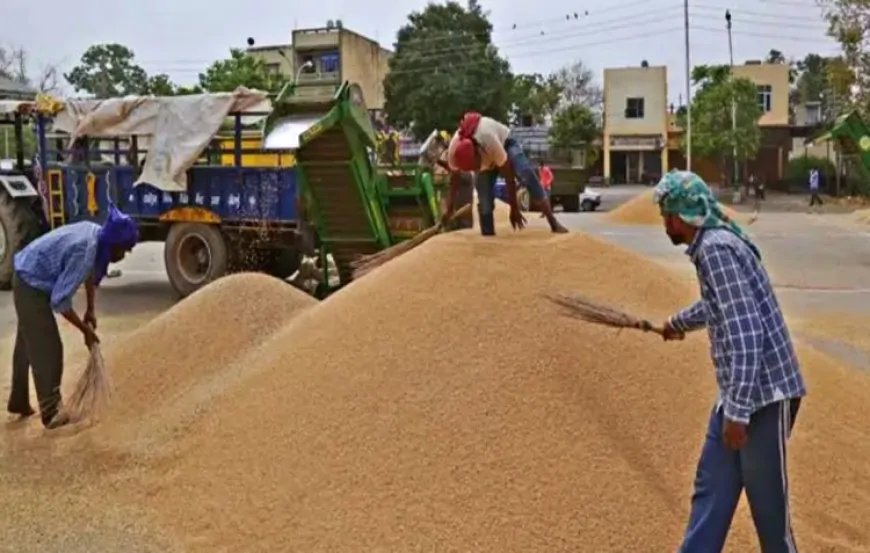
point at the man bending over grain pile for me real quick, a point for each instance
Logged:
(760, 384)
(47, 274)
(484, 145)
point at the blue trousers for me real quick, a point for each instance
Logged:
(759, 468)
(523, 169)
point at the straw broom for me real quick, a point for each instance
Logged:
(365, 264)
(578, 307)
(92, 391)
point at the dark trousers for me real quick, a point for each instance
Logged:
(759, 468)
(38, 347)
(815, 198)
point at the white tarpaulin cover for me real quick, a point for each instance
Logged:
(179, 127)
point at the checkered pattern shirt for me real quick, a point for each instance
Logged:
(752, 351)
(59, 262)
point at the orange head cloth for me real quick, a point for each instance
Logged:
(464, 154)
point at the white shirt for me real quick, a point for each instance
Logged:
(490, 136)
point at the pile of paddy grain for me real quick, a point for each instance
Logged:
(641, 210)
(439, 405)
(192, 347)
(861, 216)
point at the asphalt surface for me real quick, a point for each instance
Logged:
(817, 262)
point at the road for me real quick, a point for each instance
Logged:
(818, 263)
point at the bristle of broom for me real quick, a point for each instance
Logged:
(364, 265)
(92, 391)
(587, 310)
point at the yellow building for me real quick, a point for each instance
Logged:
(333, 54)
(771, 82)
(635, 123)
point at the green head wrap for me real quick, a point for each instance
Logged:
(685, 194)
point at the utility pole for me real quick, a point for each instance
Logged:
(688, 89)
(734, 177)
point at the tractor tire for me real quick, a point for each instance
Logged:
(524, 199)
(571, 204)
(282, 263)
(195, 255)
(19, 225)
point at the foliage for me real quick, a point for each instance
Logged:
(574, 125)
(534, 98)
(159, 85)
(706, 75)
(849, 23)
(577, 83)
(444, 65)
(15, 67)
(240, 69)
(798, 170)
(712, 133)
(107, 71)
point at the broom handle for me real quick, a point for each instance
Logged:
(464, 210)
(647, 326)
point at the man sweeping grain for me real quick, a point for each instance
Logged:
(760, 383)
(484, 145)
(47, 274)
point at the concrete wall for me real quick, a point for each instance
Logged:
(776, 76)
(316, 38)
(649, 83)
(364, 61)
(271, 56)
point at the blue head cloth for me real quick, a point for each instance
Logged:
(119, 231)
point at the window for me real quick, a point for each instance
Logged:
(765, 93)
(273, 68)
(634, 108)
(309, 68)
(329, 63)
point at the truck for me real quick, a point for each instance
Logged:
(332, 203)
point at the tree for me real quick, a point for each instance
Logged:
(578, 86)
(160, 85)
(15, 67)
(240, 69)
(107, 71)
(444, 65)
(849, 24)
(712, 133)
(575, 127)
(775, 57)
(534, 99)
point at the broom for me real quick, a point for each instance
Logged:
(365, 264)
(584, 309)
(92, 391)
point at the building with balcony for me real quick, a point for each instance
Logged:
(278, 58)
(635, 133)
(325, 57)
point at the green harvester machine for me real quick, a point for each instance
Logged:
(354, 207)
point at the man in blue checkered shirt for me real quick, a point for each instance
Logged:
(760, 384)
(48, 271)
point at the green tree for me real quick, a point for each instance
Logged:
(575, 127)
(240, 69)
(534, 98)
(160, 85)
(712, 133)
(108, 70)
(445, 64)
(849, 24)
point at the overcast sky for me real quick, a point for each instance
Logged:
(180, 37)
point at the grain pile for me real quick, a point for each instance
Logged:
(641, 210)
(196, 343)
(424, 408)
(861, 216)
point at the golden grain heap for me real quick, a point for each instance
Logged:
(641, 210)
(438, 404)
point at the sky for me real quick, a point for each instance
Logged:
(181, 37)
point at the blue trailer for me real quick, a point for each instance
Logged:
(229, 217)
